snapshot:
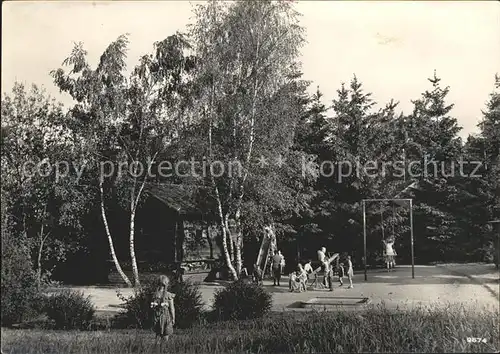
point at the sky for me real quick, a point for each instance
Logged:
(392, 47)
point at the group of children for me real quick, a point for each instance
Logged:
(277, 266)
(298, 280)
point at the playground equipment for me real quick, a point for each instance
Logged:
(267, 248)
(389, 252)
(315, 283)
(396, 201)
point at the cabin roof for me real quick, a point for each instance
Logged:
(184, 199)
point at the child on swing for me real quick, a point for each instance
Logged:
(389, 253)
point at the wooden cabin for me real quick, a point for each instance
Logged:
(176, 225)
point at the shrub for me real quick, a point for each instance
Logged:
(241, 301)
(70, 309)
(19, 291)
(188, 304)
(138, 312)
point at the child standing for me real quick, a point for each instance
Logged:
(302, 278)
(308, 268)
(350, 271)
(283, 263)
(341, 273)
(276, 265)
(257, 275)
(164, 311)
(331, 274)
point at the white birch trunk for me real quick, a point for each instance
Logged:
(133, 258)
(39, 256)
(134, 202)
(238, 242)
(222, 220)
(225, 232)
(110, 239)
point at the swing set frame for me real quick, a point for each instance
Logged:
(393, 200)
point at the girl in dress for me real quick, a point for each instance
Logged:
(283, 263)
(389, 253)
(302, 278)
(164, 310)
(293, 283)
(350, 271)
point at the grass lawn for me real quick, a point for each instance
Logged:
(375, 329)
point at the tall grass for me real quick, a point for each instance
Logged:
(376, 329)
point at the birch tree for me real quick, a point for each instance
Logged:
(126, 121)
(248, 52)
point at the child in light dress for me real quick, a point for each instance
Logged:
(293, 283)
(389, 253)
(302, 278)
(350, 271)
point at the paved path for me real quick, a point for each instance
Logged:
(485, 274)
(437, 285)
(432, 285)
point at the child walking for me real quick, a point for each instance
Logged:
(350, 271)
(164, 310)
(331, 275)
(341, 273)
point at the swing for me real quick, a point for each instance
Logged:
(393, 223)
(389, 259)
(394, 235)
(382, 223)
(384, 255)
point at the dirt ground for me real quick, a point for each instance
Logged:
(472, 285)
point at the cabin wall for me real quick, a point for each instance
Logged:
(156, 236)
(199, 241)
(167, 237)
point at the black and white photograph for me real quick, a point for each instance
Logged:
(250, 176)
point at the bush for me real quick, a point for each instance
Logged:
(241, 301)
(19, 291)
(188, 304)
(138, 312)
(69, 309)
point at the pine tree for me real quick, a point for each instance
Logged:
(486, 148)
(357, 135)
(433, 142)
